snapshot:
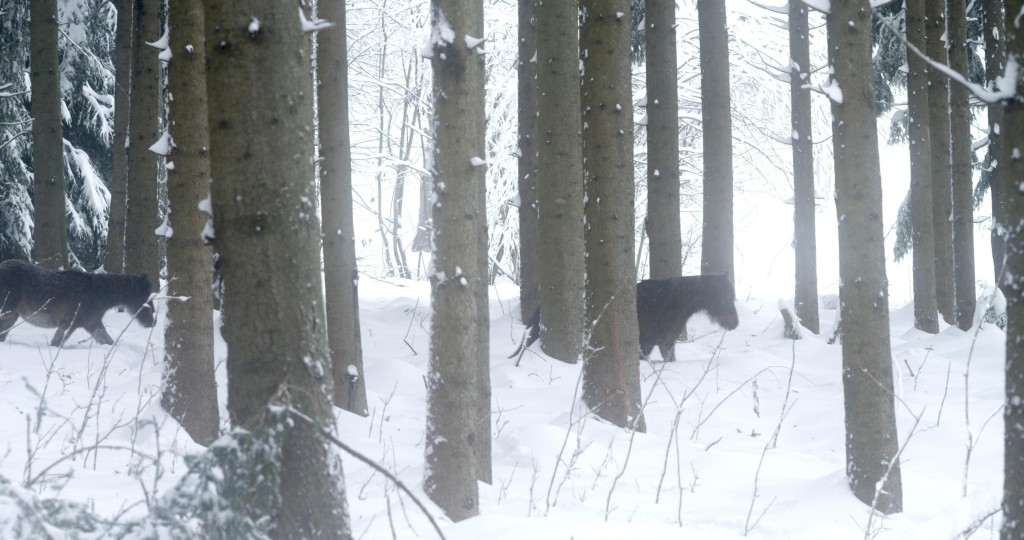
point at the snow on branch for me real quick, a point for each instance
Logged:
(1006, 85)
(308, 25)
(783, 9)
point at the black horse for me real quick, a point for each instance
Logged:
(662, 308)
(69, 299)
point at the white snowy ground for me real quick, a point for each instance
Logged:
(555, 469)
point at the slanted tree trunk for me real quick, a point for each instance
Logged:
(190, 387)
(938, 130)
(529, 217)
(1011, 170)
(268, 238)
(50, 230)
(995, 60)
(114, 261)
(921, 207)
(963, 185)
(611, 371)
(142, 250)
(666, 245)
(871, 438)
(804, 238)
(340, 273)
(560, 180)
(716, 121)
(454, 406)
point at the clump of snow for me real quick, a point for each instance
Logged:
(313, 25)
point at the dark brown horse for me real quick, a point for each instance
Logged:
(69, 299)
(662, 308)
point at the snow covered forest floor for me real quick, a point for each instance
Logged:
(84, 424)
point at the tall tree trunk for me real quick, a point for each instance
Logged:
(666, 245)
(142, 250)
(560, 179)
(340, 272)
(190, 386)
(1011, 171)
(716, 120)
(921, 208)
(611, 371)
(804, 236)
(963, 173)
(995, 60)
(529, 218)
(123, 41)
(454, 406)
(938, 130)
(50, 231)
(871, 438)
(268, 237)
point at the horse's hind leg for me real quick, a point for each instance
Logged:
(668, 350)
(64, 329)
(8, 313)
(99, 333)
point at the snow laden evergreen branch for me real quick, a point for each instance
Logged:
(1006, 86)
(369, 462)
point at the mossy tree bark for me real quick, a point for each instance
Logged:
(50, 226)
(268, 236)
(611, 371)
(871, 438)
(560, 180)
(455, 406)
(190, 386)
(340, 272)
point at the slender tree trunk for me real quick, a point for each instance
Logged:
(340, 272)
(268, 237)
(142, 251)
(995, 60)
(925, 308)
(666, 245)
(938, 130)
(114, 261)
(804, 236)
(50, 230)
(190, 386)
(716, 120)
(529, 217)
(1011, 171)
(871, 439)
(963, 173)
(611, 371)
(560, 180)
(454, 406)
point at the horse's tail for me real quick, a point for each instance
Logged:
(530, 334)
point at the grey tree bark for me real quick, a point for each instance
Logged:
(454, 406)
(340, 272)
(1011, 170)
(716, 122)
(142, 252)
(190, 386)
(666, 245)
(964, 289)
(995, 60)
(871, 438)
(560, 180)
(123, 41)
(529, 216)
(938, 130)
(268, 236)
(50, 226)
(804, 235)
(611, 371)
(921, 214)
